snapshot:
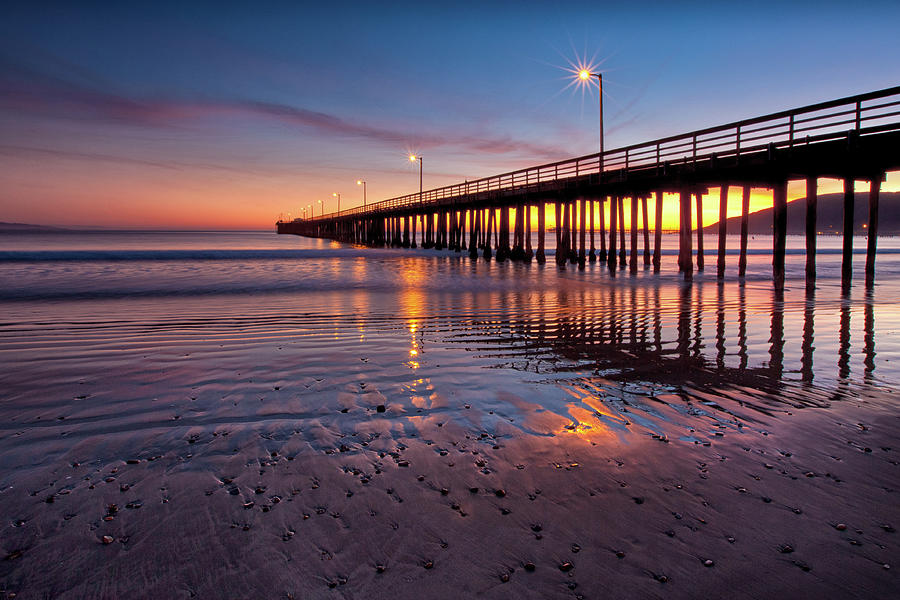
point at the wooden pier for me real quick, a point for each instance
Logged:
(851, 139)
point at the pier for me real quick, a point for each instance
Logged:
(851, 139)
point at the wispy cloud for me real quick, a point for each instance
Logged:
(26, 91)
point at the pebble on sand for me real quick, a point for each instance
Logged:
(107, 539)
(566, 566)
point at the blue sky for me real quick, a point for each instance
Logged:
(187, 114)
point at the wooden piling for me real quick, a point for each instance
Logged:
(847, 259)
(503, 248)
(872, 229)
(622, 254)
(644, 199)
(573, 232)
(745, 219)
(542, 215)
(582, 233)
(700, 258)
(634, 233)
(406, 231)
(613, 232)
(558, 232)
(657, 232)
(723, 230)
(529, 253)
(687, 266)
(474, 231)
(812, 201)
(489, 220)
(602, 224)
(592, 255)
(779, 229)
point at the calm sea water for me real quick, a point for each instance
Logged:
(207, 360)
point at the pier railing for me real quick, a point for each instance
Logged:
(864, 114)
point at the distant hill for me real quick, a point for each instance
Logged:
(830, 216)
(28, 228)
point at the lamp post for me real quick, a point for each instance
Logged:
(362, 183)
(585, 75)
(338, 196)
(323, 208)
(414, 158)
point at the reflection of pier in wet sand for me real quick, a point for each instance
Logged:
(665, 337)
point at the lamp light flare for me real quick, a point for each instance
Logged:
(584, 74)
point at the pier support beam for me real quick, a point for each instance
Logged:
(622, 256)
(812, 202)
(646, 224)
(634, 233)
(657, 232)
(592, 255)
(602, 255)
(847, 258)
(542, 215)
(582, 232)
(474, 229)
(489, 222)
(745, 221)
(613, 232)
(872, 229)
(688, 246)
(503, 229)
(529, 253)
(573, 231)
(701, 262)
(779, 229)
(723, 230)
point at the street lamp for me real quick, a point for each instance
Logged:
(323, 208)
(414, 158)
(362, 183)
(585, 75)
(338, 196)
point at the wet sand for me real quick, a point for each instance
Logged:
(661, 441)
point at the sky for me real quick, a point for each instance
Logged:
(195, 115)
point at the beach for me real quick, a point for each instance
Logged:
(245, 415)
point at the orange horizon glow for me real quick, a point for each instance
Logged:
(126, 199)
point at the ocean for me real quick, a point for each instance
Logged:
(243, 414)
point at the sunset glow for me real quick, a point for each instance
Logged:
(228, 127)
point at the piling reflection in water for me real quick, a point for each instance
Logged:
(642, 343)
